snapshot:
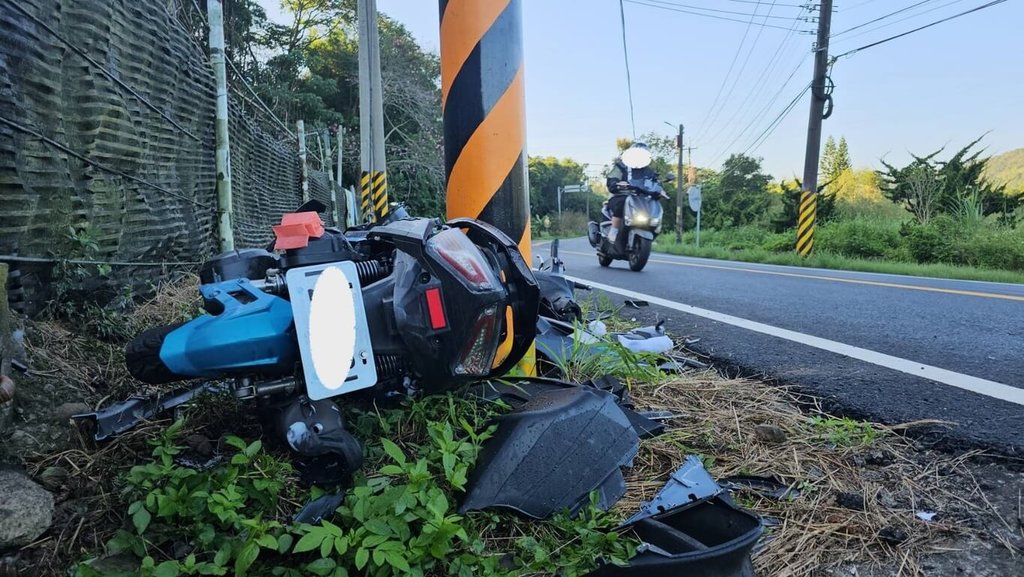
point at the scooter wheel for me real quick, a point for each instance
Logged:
(142, 356)
(604, 260)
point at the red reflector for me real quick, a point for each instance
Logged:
(436, 309)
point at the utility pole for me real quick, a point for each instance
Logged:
(679, 189)
(483, 108)
(223, 153)
(300, 129)
(809, 194)
(339, 190)
(373, 180)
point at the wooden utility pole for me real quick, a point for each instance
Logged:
(809, 194)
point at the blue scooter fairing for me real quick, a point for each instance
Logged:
(248, 330)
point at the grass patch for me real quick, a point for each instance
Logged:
(830, 261)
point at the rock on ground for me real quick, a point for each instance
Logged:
(26, 509)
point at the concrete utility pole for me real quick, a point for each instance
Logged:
(483, 106)
(215, 15)
(809, 194)
(373, 182)
(339, 188)
(300, 128)
(679, 190)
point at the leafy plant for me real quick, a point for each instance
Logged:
(844, 432)
(399, 518)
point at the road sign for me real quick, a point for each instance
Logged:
(695, 199)
(575, 188)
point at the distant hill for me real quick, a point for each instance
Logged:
(1007, 168)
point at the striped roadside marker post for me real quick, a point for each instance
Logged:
(806, 222)
(373, 181)
(483, 105)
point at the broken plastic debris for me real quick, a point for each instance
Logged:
(926, 515)
(659, 344)
(689, 483)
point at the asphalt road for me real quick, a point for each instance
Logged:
(890, 348)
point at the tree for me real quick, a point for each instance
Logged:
(926, 187)
(739, 195)
(792, 190)
(546, 175)
(308, 69)
(835, 160)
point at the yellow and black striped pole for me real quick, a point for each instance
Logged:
(483, 104)
(805, 223)
(373, 181)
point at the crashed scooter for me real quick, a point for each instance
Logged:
(436, 305)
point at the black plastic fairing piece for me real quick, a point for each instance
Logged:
(549, 455)
(707, 538)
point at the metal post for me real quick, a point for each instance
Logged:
(223, 154)
(338, 188)
(809, 195)
(483, 106)
(698, 226)
(373, 180)
(560, 203)
(679, 189)
(300, 129)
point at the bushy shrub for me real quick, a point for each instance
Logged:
(859, 237)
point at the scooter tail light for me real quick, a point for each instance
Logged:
(460, 255)
(435, 308)
(478, 353)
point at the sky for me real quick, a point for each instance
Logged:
(943, 86)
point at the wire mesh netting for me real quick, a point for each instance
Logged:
(107, 144)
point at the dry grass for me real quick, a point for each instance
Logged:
(812, 533)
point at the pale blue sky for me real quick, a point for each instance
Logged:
(944, 85)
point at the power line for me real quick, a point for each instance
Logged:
(725, 80)
(743, 67)
(715, 10)
(918, 29)
(764, 109)
(802, 6)
(880, 18)
(761, 81)
(777, 121)
(680, 10)
(898, 20)
(625, 53)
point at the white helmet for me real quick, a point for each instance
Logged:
(637, 156)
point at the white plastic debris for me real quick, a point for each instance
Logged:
(597, 328)
(926, 515)
(659, 344)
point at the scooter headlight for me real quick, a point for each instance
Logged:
(656, 222)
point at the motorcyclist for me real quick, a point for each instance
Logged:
(633, 163)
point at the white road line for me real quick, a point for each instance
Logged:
(953, 379)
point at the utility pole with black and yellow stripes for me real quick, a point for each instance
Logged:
(373, 180)
(807, 213)
(484, 111)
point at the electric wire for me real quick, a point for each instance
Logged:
(897, 21)
(880, 18)
(758, 85)
(625, 54)
(683, 11)
(725, 80)
(918, 29)
(715, 10)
